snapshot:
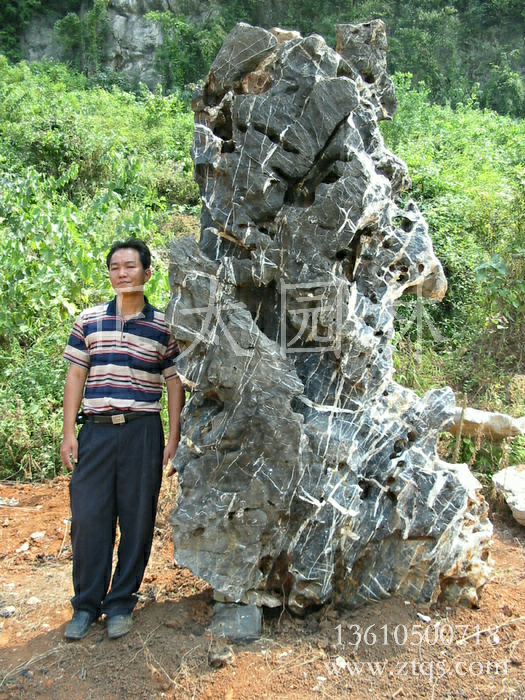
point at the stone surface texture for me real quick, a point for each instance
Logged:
(307, 474)
(510, 483)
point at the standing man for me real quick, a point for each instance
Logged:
(119, 353)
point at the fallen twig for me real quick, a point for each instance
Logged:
(293, 664)
(21, 667)
(490, 629)
(66, 530)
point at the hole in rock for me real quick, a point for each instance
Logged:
(309, 199)
(289, 148)
(200, 170)
(411, 436)
(403, 223)
(269, 133)
(330, 178)
(365, 490)
(420, 267)
(228, 147)
(391, 496)
(280, 173)
(198, 532)
(390, 480)
(243, 128)
(368, 77)
(298, 197)
(345, 70)
(279, 577)
(223, 127)
(265, 564)
(386, 170)
(399, 445)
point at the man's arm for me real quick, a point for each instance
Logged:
(73, 393)
(175, 405)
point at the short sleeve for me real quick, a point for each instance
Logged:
(76, 350)
(168, 368)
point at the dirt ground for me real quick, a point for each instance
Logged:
(406, 651)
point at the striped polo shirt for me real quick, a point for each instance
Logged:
(126, 360)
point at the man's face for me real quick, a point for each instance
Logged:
(126, 273)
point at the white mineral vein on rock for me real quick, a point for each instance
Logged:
(306, 473)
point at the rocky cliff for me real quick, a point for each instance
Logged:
(132, 44)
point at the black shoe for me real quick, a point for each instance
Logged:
(119, 625)
(79, 625)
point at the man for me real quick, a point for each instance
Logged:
(118, 353)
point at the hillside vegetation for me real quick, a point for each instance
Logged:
(78, 169)
(457, 47)
(81, 166)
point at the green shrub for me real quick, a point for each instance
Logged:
(85, 36)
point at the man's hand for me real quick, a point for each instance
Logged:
(73, 391)
(175, 404)
(169, 454)
(69, 451)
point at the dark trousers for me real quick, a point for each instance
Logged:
(117, 478)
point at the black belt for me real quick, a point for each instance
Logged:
(115, 418)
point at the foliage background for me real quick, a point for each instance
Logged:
(454, 46)
(83, 161)
(78, 168)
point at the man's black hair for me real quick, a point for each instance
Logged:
(135, 243)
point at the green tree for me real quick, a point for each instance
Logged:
(189, 45)
(504, 90)
(84, 38)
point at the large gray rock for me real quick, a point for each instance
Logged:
(495, 426)
(510, 483)
(306, 473)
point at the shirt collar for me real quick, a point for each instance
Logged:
(146, 313)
